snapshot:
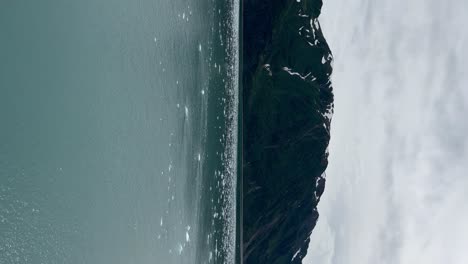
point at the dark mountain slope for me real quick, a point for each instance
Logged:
(288, 103)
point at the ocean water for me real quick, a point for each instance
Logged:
(118, 131)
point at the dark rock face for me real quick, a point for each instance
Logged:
(288, 102)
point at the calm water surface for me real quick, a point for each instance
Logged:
(118, 131)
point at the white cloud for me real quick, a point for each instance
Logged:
(397, 183)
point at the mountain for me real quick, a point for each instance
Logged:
(287, 108)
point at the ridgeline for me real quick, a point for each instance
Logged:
(288, 103)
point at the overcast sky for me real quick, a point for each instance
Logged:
(397, 182)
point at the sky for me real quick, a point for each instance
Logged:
(397, 181)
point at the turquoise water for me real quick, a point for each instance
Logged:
(118, 131)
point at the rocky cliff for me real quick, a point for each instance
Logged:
(288, 103)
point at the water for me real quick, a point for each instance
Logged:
(118, 131)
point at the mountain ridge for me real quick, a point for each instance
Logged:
(288, 104)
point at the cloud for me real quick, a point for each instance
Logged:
(397, 182)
